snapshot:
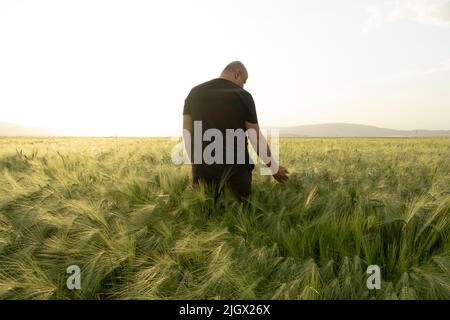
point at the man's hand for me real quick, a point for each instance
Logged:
(281, 174)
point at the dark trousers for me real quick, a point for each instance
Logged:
(240, 183)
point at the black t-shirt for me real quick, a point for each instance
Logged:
(220, 104)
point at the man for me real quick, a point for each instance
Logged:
(223, 104)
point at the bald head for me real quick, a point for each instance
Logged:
(235, 72)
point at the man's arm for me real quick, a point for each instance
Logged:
(262, 149)
(187, 134)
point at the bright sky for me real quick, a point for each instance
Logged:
(104, 67)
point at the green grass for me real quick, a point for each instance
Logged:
(129, 218)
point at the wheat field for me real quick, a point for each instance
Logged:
(129, 218)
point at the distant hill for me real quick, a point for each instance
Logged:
(315, 130)
(10, 130)
(355, 130)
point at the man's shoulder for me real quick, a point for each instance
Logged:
(222, 85)
(247, 96)
(204, 85)
(246, 93)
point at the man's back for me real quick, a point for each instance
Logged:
(220, 104)
(225, 111)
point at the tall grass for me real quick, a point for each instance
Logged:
(130, 219)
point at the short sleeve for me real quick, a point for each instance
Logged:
(187, 105)
(250, 108)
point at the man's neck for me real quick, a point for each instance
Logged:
(229, 79)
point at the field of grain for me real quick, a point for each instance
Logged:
(129, 218)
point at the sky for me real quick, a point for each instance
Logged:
(106, 67)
